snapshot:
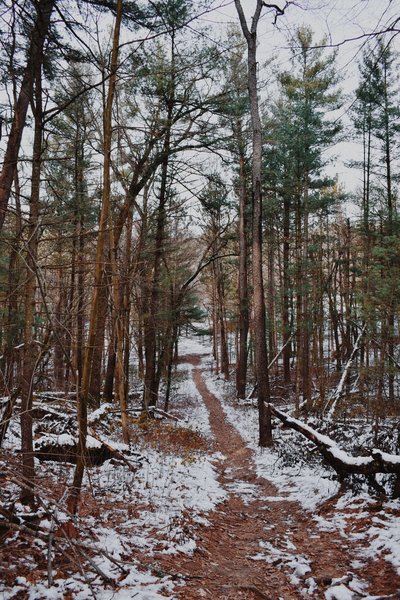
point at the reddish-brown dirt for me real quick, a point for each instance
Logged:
(222, 566)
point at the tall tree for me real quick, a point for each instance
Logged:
(301, 131)
(215, 206)
(31, 354)
(235, 117)
(259, 321)
(377, 120)
(105, 223)
(35, 54)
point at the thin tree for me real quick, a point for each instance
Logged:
(105, 223)
(259, 321)
(35, 55)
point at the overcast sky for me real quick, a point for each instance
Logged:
(340, 21)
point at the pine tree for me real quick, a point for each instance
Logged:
(377, 122)
(301, 130)
(235, 117)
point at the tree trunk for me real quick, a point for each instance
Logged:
(220, 298)
(98, 347)
(305, 323)
(103, 225)
(241, 363)
(259, 322)
(286, 291)
(150, 392)
(39, 34)
(13, 322)
(30, 348)
(390, 326)
(121, 293)
(60, 334)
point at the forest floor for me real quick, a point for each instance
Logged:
(201, 517)
(259, 545)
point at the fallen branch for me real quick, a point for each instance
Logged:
(337, 394)
(117, 454)
(344, 464)
(163, 413)
(271, 364)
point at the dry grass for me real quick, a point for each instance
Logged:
(168, 438)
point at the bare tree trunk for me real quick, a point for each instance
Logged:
(305, 324)
(241, 363)
(30, 348)
(299, 306)
(39, 33)
(259, 323)
(103, 225)
(390, 326)
(13, 326)
(59, 345)
(272, 343)
(172, 340)
(108, 389)
(121, 292)
(95, 373)
(215, 329)
(70, 321)
(286, 290)
(151, 381)
(220, 324)
(80, 302)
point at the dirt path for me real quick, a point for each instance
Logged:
(225, 564)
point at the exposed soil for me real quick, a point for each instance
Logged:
(223, 565)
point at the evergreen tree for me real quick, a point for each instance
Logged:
(300, 129)
(235, 117)
(377, 121)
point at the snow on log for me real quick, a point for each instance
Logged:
(343, 463)
(63, 448)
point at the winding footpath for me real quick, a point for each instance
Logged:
(231, 561)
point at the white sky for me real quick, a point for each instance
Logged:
(338, 20)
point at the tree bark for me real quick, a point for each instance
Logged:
(286, 290)
(30, 348)
(151, 381)
(241, 363)
(39, 34)
(259, 321)
(105, 214)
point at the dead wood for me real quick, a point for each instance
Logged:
(343, 463)
(94, 455)
(7, 414)
(117, 454)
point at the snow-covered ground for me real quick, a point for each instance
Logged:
(131, 514)
(311, 487)
(142, 511)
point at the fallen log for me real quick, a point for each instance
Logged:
(63, 448)
(343, 463)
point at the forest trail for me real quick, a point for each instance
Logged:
(259, 545)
